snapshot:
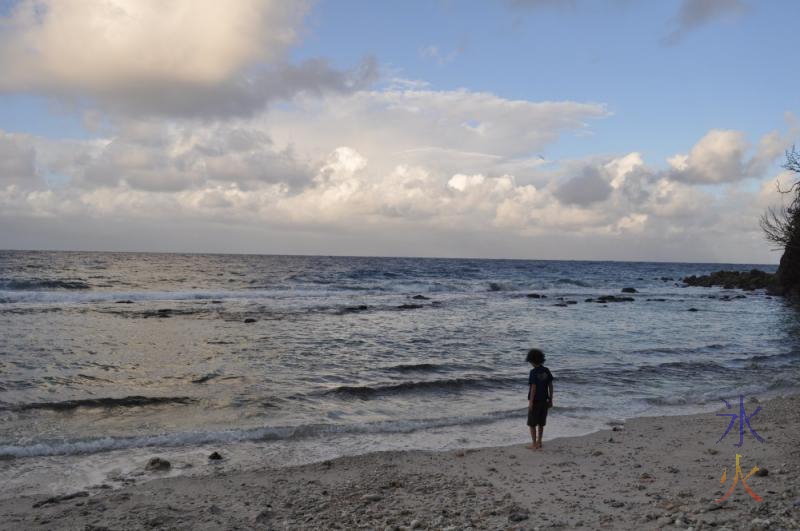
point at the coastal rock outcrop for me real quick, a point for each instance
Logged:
(746, 280)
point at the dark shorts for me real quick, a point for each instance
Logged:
(537, 416)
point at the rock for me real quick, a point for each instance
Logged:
(597, 453)
(712, 451)
(410, 306)
(664, 521)
(762, 472)
(420, 298)
(613, 298)
(629, 290)
(125, 302)
(518, 516)
(215, 456)
(415, 524)
(371, 497)
(746, 280)
(359, 308)
(672, 470)
(693, 310)
(533, 296)
(249, 320)
(158, 464)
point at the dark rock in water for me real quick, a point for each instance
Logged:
(410, 306)
(656, 300)
(216, 302)
(533, 296)
(561, 304)
(125, 302)
(629, 290)
(215, 456)
(746, 280)
(613, 298)
(571, 302)
(249, 320)
(693, 310)
(589, 300)
(667, 279)
(158, 464)
(353, 309)
(420, 297)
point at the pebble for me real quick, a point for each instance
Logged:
(664, 520)
(518, 516)
(372, 497)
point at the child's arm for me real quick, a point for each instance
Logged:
(550, 388)
(533, 394)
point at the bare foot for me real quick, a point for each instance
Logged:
(532, 446)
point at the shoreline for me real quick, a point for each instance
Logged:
(649, 473)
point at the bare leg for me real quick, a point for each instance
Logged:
(533, 438)
(541, 429)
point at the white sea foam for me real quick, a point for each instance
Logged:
(270, 433)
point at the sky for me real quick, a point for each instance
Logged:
(544, 129)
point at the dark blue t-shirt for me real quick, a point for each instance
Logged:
(542, 377)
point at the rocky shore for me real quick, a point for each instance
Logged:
(650, 473)
(745, 280)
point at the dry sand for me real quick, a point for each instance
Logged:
(651, 473)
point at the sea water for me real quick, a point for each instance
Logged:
(107, 359)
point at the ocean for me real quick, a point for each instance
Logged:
(107, 359)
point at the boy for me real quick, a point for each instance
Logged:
(540, 395)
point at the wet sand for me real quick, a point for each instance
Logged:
(650, 473)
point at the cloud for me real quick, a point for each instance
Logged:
(185, 58)
(721, 156)
(446, 131)
(430, 172)
(694, 14)
(17, 160)
(585, 189)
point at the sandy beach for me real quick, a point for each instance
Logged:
(650, 473)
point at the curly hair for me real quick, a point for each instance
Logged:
(535, 356)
